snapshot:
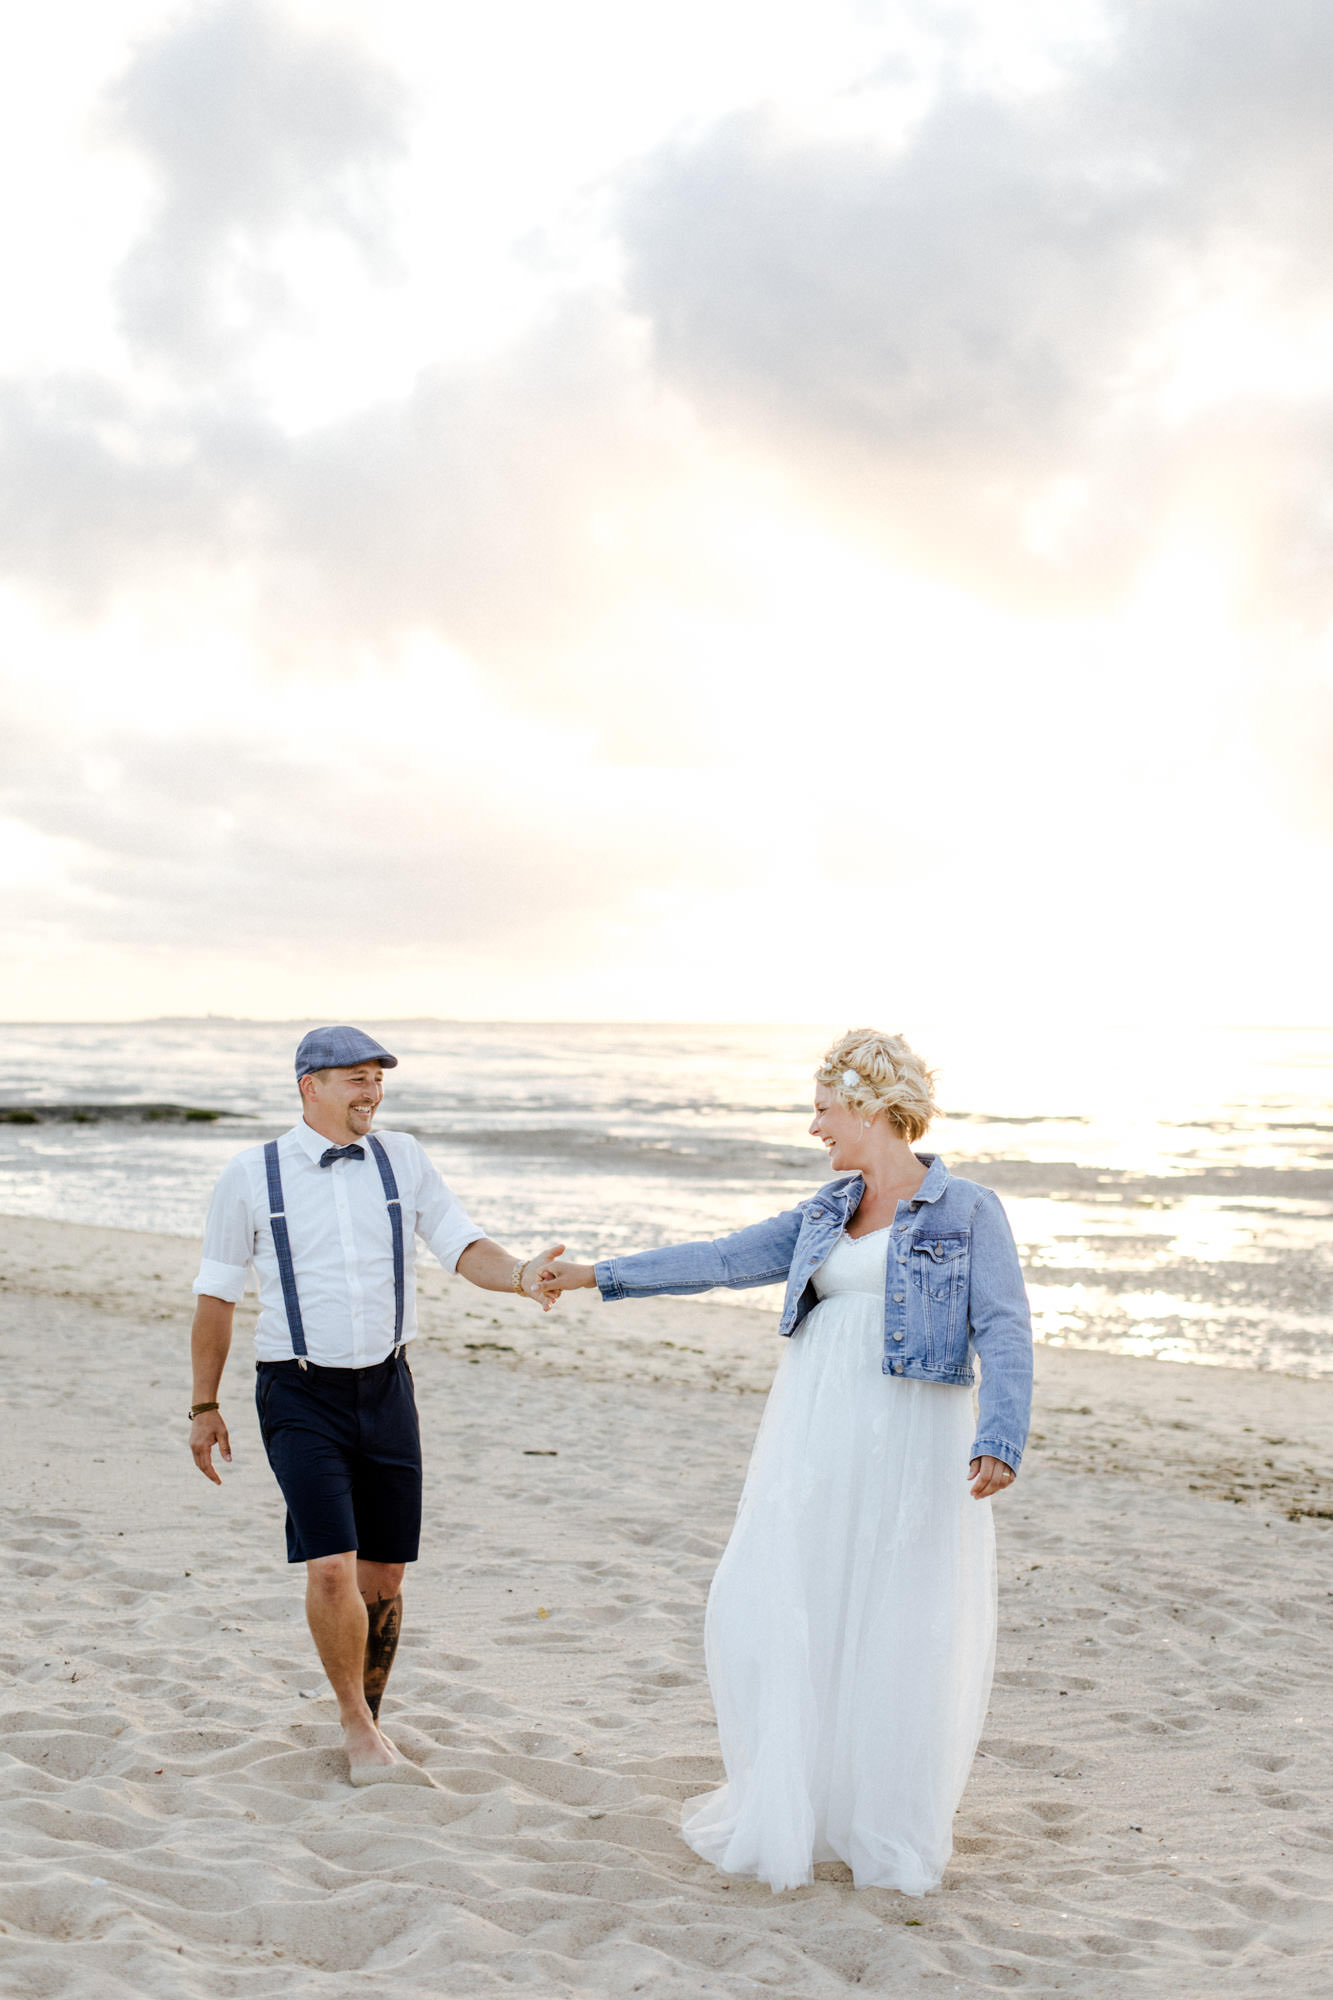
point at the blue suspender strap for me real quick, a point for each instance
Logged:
(282, 1244)
(396, 1224)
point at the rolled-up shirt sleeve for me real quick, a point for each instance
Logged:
(229, 1239)
(442, 1221)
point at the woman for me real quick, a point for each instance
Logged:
(850, 1631)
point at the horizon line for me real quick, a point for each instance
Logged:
(606, 1021)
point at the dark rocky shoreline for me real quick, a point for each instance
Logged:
(112, 1114)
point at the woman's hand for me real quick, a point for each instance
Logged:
(988, 1476)
(561, 1274)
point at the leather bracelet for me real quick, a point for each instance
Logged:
(201, 1409)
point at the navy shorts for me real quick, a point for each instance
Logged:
(345, 1447)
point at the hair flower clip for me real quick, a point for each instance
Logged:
(850, 1079)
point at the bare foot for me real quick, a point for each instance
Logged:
(372, 1759)
(366, 1748)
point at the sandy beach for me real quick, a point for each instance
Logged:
(1151, 1812)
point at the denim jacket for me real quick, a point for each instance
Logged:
(953, 1285)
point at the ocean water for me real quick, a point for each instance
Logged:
(1172, 1194)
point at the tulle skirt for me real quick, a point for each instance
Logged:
(850, 1632)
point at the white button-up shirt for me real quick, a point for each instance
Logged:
(342, 1244)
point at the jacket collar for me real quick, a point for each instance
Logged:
(937, 1178)
(847, 1193)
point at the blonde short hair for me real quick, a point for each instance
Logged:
(891, 1080)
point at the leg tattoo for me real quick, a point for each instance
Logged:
(386, 1619)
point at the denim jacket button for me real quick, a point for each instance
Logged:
(897, 1367)
(897, 1336)
(898, 1298)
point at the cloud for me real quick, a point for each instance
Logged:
(516, 506)
(978, 337)
(936, 302)
(486, 502)
(962, 348)
(99, 491)
(963, 344)
(251, 126)
(473, 506)
(345, 832)
(968, 342)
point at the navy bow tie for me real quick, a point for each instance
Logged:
(342, 1153)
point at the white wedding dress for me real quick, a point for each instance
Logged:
(850, 1632)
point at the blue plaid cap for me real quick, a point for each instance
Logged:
(339, 1048)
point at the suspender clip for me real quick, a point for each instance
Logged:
(301, 1363)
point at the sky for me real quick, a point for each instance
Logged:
(737, 511)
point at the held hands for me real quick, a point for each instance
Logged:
(530, 1279)
(207, 1430)
(550, 1272)
(988, 1476)
(561, 1274)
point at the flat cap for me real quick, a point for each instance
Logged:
(339, 1048)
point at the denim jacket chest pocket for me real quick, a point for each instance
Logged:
(939, 1270)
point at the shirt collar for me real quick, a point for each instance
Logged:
(312, 1143)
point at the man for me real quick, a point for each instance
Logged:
(327, 1217)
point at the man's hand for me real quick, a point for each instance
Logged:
(210, 1343)
(989, 1475)
(494, 1269)
(534, 1277)
(206, 1431)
